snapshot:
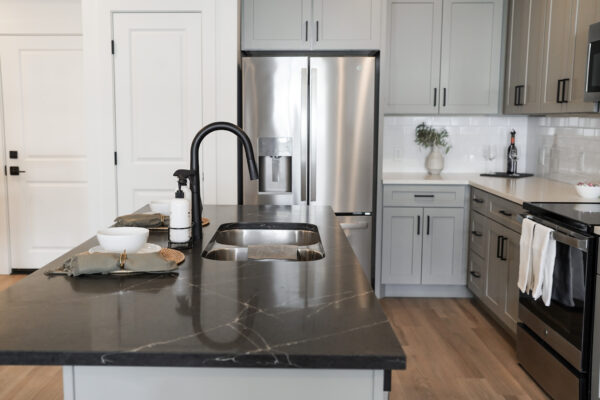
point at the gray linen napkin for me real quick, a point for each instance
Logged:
(97, 263)
(152, 262)
(142, 220)
(104, 263)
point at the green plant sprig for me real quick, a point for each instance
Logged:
(427, 137)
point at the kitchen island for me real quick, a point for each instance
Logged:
(217, 329)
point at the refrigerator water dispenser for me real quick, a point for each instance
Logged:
(275, 164)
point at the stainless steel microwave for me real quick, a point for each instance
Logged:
(592, 81)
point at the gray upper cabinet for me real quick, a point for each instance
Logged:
(443, 243)
(525, 56)
(414, 43)
(443, 56)
(346, 24)
(276, 24)
(310, 24)
(471, 53)
(402, 241)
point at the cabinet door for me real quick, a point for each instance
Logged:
(346, 24)
(413, 66)
(511, 259)
(516, 70)
(478, 234)
(476, 277)
(443, 244)
(588, 12)
(401, 245)
(532, 97)
(559, 53)
(471, 52)
(496, 274)
(276, 25)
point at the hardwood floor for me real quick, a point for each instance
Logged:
(454, 352)
(28, 382)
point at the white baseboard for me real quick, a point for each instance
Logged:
(460, 291)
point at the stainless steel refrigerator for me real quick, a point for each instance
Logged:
(312, 121)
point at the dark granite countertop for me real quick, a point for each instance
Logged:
(317, 314)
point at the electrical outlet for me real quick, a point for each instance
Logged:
(397, 153)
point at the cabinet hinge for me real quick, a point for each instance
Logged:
(115, 158)
(112, 47)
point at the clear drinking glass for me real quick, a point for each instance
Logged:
(489, 154)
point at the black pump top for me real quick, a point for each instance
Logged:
(182, 177)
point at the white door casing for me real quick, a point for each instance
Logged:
(163, 76)
(42, 120)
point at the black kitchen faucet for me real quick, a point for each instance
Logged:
(194, 167)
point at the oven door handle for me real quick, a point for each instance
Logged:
(572, 239)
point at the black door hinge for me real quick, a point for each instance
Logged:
(112, 47)
(115, 158)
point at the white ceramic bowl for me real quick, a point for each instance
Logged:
(161, 206)
(126, 238)
(588, 192)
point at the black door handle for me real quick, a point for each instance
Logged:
(564, 89)
(428, 224)
(418, 224)
(505, 213)
(444, 100)
(434, 97)
(424, 195)
(317, 31)
(558, 100)
(306, 31)
(476, 274)
(498, 246)
(476, 200)
(502, 249)
(478, 234)
(16, 171)
(519, 95)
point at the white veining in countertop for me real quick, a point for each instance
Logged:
(532, 189)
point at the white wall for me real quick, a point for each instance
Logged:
(468, 136)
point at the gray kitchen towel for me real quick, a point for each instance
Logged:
(142, 220)
(97, 263)
(569, 281)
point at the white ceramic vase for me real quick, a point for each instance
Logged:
(434, 161)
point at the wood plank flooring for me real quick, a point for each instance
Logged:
(453, 350)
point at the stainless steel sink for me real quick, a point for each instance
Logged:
(265, 241)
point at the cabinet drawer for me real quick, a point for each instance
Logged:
(424, 195)
(506, 212)
(476, 277)
(479, 201)
(478, 234)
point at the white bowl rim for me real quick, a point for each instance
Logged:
(123, 231)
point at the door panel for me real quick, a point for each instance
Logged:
(414, 43)
(358, 230)
(511, 309)
(402, 241)
(517, 67)
(559, 51)
(535, 58)
(470, 64)
(346, 24)
(164, 93)
(342, 106)
(497, 273)
(42, 97)
(275, 101)
(276, 25)
(443, 242)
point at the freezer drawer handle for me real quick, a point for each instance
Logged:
(354, 225)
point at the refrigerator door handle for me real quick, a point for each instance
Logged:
(303, 133)
(354, 225)
(312, 142)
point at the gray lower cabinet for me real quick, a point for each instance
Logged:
(423, 246)
(494, 259)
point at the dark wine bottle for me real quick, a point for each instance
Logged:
(511, 155)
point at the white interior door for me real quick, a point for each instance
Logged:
(42, 80)
(164, 82)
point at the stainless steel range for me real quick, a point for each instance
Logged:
(554, 343)
(312, 120)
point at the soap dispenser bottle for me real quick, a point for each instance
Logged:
(180, 220)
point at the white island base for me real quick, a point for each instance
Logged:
(149, 383)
